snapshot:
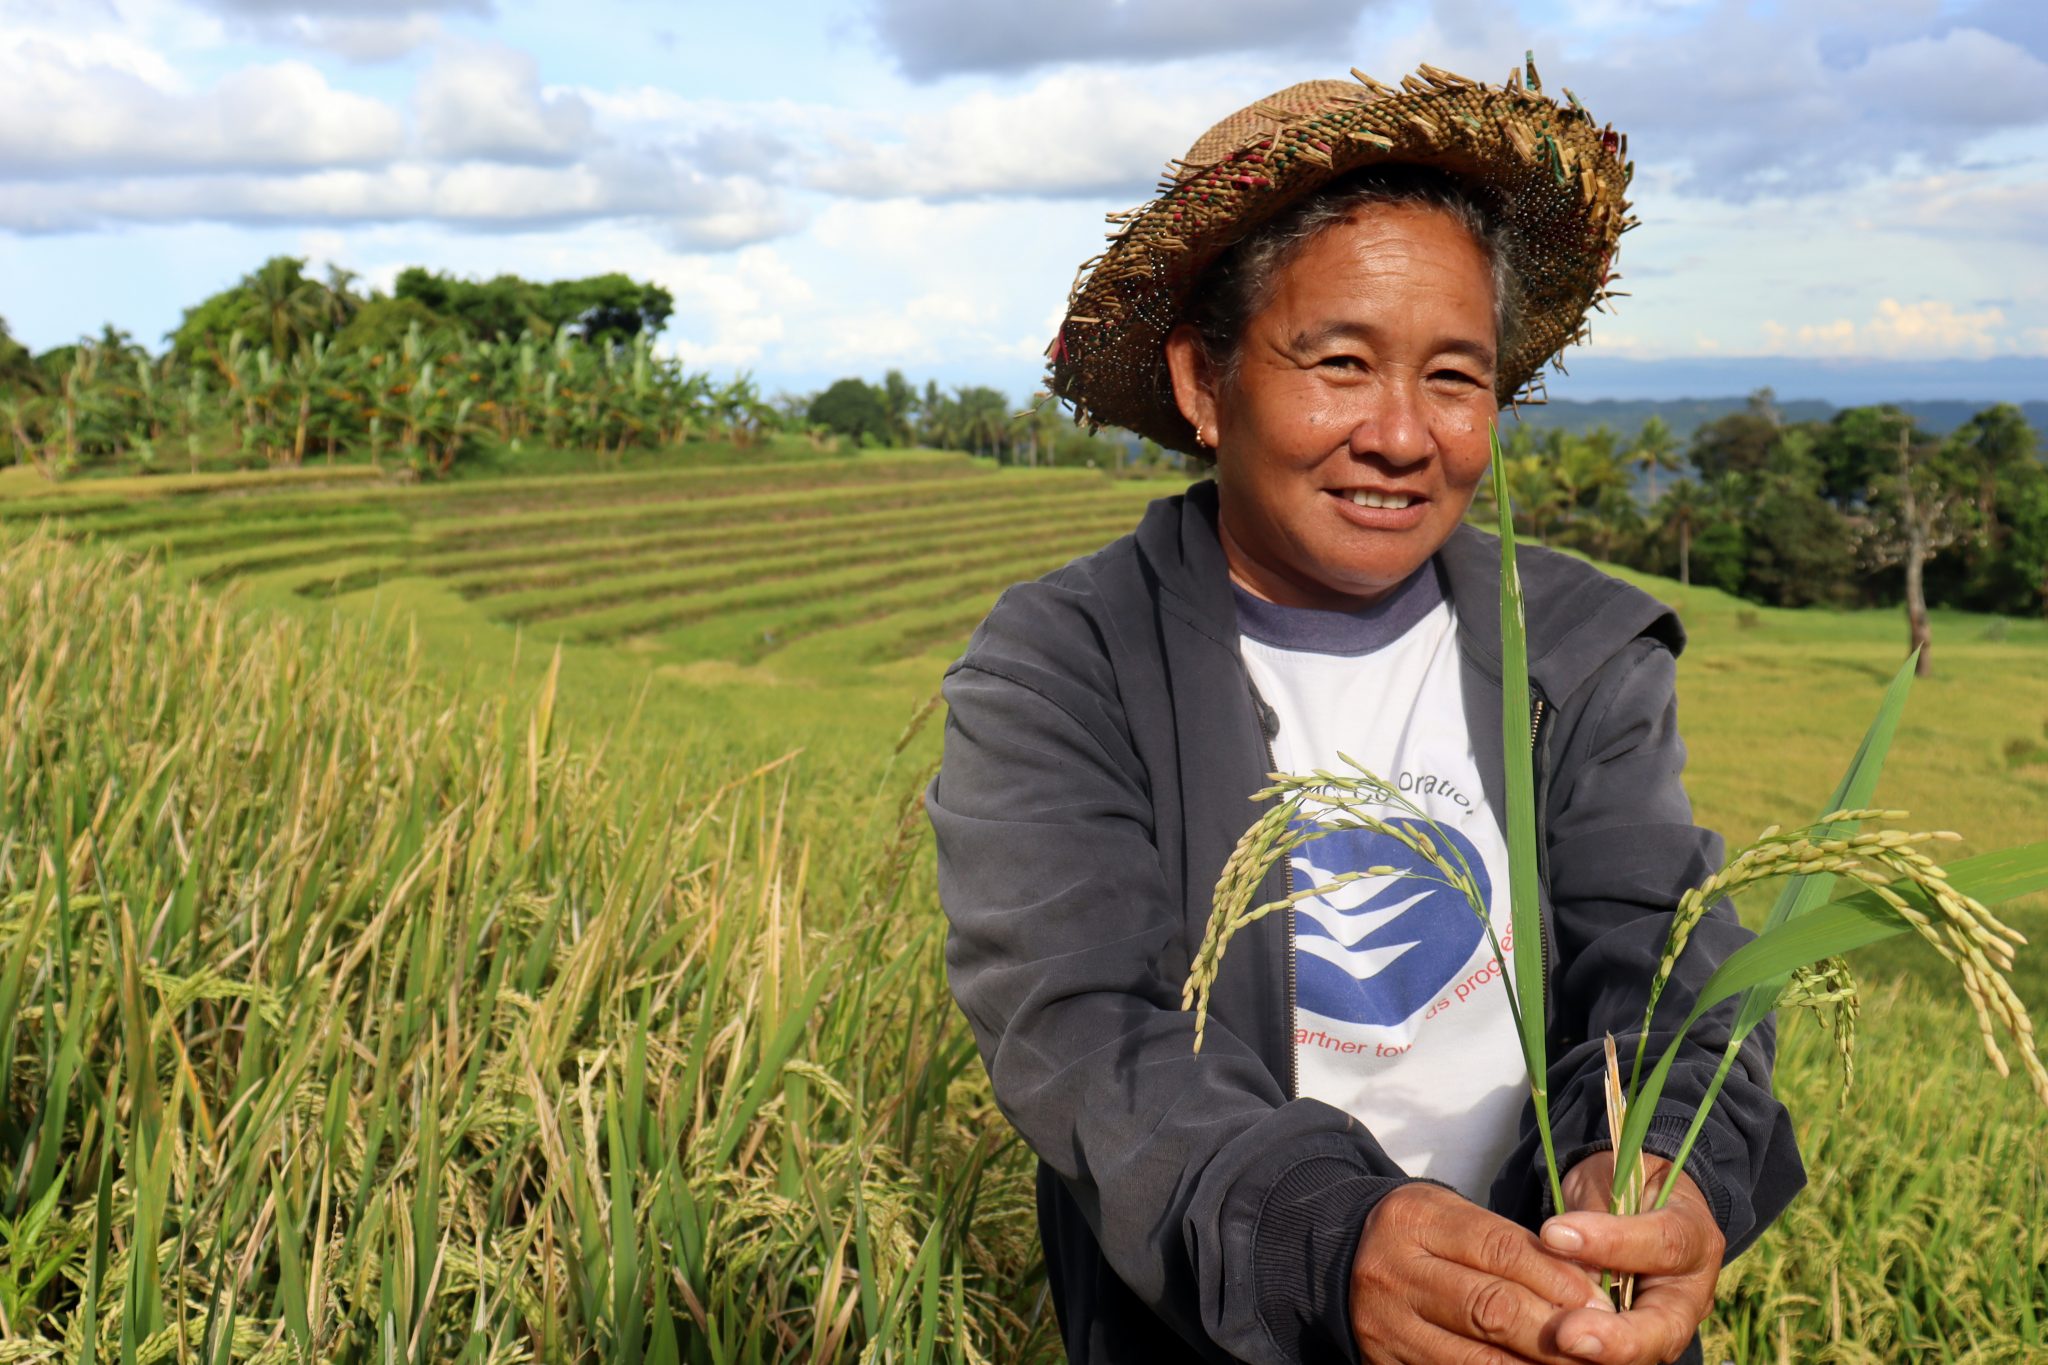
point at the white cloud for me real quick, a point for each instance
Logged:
(487, 102)
(965, 310)
(1971, 205)
(733, 310)
(1964, 79)
(66, 112)
(96, 132)
(1750, 104)
(695, 211)
(288, 9)
(1926, 329)
(366, 39)
(1073, 133)
(939, 37)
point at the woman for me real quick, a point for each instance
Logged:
(1331, 300)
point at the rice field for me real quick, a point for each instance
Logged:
(492, 922)
(807, 568)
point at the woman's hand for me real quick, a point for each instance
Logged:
(1675, 1252)
(1438, 1280)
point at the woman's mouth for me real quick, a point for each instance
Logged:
(1380, 509)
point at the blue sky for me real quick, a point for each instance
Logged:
(841, 186)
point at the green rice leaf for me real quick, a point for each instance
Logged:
(1800, 895)
(1517, 744)
(1762, 965)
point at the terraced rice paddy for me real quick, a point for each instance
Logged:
(818, 565)
(632, 978)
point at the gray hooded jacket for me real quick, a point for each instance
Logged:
(1102, 746)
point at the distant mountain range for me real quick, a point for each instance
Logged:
(1692, 391)
(1625, 416)
(1844, 383)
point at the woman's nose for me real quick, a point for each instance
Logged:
(1394, 426)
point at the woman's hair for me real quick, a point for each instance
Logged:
(1242, 280)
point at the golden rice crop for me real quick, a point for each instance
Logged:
(340, 1023)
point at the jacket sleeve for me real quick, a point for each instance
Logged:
(1228, 1209)
(1620, 849)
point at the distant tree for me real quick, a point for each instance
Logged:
(609, 308)
(899, 400)
(1720, 552)
(1070, 447)
(1680, 513)
(381, 324)
(740, 410)
(1800, 549)
(1917, 500)
(984, 417)
(1654, 448)
(1985, 447)
(1739, 443)
(2016, 578)
(17, 364)
(1534, 491)
(341, 300)
(276, 304)
(1043, 424)
(287, 305)
(1999, 451)
(1586, 469)
(852, 407)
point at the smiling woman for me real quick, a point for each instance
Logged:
(1349, 412)
(1330, 299)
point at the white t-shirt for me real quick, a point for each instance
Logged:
(1401, 1018)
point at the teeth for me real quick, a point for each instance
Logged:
(1365, 497)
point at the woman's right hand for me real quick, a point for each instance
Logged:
(1438, 1280)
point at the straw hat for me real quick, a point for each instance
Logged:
(1546, 170)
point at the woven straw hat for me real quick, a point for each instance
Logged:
(1545, 170)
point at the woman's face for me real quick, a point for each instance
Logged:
(1355, 431)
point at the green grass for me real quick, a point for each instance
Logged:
(292, 871)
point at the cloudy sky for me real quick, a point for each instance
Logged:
(840, 186)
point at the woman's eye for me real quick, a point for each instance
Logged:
(1455, 377)
(1347, 362)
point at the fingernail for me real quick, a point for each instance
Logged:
(1582, 1346)
(1600, 1302)
(1563, 1236)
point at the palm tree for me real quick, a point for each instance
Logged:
(741, 410)
(1655, 448)
(1041, 424)
(984, 420)
(339, 301)
(23, 412)
(899, 400)
(1682, 508)
(1583, 466)
(1533, 490)
(289, 305)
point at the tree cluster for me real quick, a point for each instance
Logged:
(969, 417)
(1864, 508)
(281, 366)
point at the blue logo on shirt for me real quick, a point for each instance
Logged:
(1377, 950)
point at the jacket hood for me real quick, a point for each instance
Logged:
(1576, 616)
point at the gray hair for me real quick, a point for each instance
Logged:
(1243, 279)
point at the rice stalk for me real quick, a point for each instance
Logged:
(339, 1022)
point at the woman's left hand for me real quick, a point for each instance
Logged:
(1675, 1252)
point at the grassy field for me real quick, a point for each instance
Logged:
(491, 921)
